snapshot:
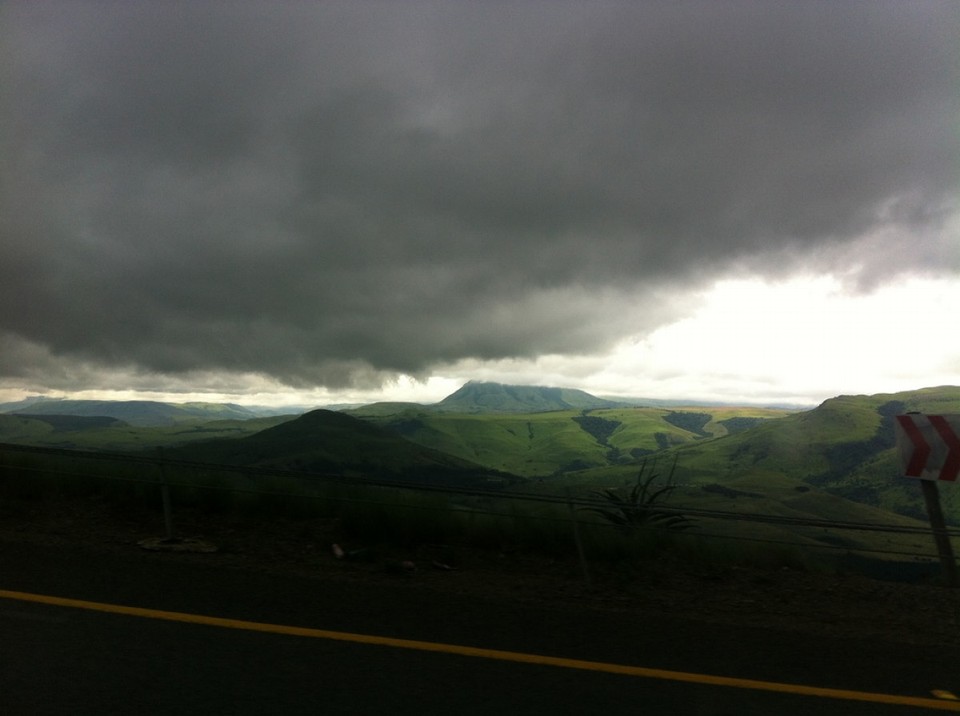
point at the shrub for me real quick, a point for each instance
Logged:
(638, 506)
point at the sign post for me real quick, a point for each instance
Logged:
(929, 447)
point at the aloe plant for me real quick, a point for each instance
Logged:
(638, 506)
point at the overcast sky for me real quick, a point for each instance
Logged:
(337, 201)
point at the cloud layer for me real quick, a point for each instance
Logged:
(333, 193)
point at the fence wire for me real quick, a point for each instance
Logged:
(579, 504)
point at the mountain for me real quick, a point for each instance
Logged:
(479, 397)
(33, 400)
(381, 409)
(325, 441)
(103, 433)
(141, 413)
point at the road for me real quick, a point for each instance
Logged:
(206, 639)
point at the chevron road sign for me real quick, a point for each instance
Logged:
(929, 446)
(929, 449)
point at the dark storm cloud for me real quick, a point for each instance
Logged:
(323, 191)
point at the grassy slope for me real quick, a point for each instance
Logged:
(527, 445)
(762, 492)
(845, 446)
(122, 437)
(143, 413)
(540, 444)
(24, 431)
(326, 441)
(837, 462)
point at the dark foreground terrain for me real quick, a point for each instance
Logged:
(834, 605)
(397, 631)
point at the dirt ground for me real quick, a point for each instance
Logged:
(782, 599)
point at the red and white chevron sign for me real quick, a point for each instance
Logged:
(929, 446)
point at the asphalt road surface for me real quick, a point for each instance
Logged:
(203, 639)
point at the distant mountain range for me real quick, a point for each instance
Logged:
(141, 413)
(474, 397)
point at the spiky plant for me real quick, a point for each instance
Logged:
(638, 506)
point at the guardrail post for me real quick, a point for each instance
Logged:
(931, 495)
(581, 553)
(165, 496)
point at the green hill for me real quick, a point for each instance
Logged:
(382, 409)
(827, 460)
(547, 443)
(324, 441)
(844, 447)
(24, 430)
(70, 423)
(837, 462)
(109, 434)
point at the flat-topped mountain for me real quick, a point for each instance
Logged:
(477, 397)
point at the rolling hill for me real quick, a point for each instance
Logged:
(324, 441)
(844, 447)
(104, 433)
(540, 444)
(836, 459)
(142, 413)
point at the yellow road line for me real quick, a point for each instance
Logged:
(497, 654)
